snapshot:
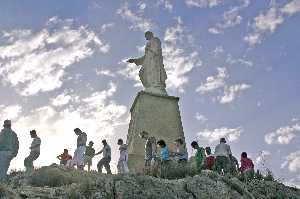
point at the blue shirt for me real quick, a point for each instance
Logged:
(164, 153)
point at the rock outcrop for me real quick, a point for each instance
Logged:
(56, 182)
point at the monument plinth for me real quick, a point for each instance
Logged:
(159, 115)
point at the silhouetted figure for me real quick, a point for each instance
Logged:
(106, 150)
(9, 147)
(222, 153)
(78, 158)
(35, 148)
(123, 159)
(199, 156)
(234, 164)
(89, 154)
(65, 158)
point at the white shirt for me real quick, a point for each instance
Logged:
(223, 149)
(36, 144)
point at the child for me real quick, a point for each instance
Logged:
(89, 154)
(164, 157)
(65, 158)
(209, 160)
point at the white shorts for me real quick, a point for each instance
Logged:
(78, 158)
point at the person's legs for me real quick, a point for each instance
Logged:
(5, 158)
(107, 166)
(218, 164)
(100, 165)
(28, 162)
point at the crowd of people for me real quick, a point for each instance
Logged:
(157, 154)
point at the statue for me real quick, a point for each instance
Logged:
(152, 73)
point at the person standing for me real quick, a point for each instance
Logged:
(89, 154)
(199, 156)
(150, 151)
(9, 147)
(209, 161)
(123, 159)
(106, 150)
(34, 151)
(222, 154)
(78, 158)
(247, 167)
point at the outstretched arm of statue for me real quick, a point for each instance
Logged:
(138, 61)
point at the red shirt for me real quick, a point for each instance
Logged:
(246, 163)
(209, 162)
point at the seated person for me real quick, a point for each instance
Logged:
(180, 155)
(247, 167)
(64, 158)
(209, 161)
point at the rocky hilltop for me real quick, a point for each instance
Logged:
(57, 182)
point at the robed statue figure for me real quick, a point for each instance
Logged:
(152, 73)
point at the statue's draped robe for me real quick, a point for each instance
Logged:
(152, 73)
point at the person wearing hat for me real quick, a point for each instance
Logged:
(9, 147)
(78, 158)
(89, 154)
(222, 154)
(106, 150)
(34, 151)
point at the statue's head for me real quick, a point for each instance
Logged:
(148, 35)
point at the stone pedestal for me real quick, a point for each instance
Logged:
(159, 115)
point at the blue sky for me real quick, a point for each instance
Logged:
(234, 65)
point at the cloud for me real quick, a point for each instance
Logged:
(178, 60)
(213, 82)
(292, 161)
(230, 60)
(231, 92)
(231, 134)
(106, 26)
(218, 50)
(167, 4)
(230, 18)
(34, 62)
(218, 82)
(97, 114)
(201, 118)
(10, 112)
(61, 100)
(283, 135)
(203, 3)
(105, 72)
(267, 22)
(137, 21)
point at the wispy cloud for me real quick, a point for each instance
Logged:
(230, 18)
(201, 118)
(36, 61)
(283, 135)
(267, 22)
(9, 112)
(218, 82)
(138, 22)
(231, 134)
(203, 3)
(292, 162)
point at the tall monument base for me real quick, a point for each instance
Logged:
(158, 115)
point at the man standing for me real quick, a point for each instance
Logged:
(123, 159)
(78, 158)
(9, 146)
(150, 150)
(34, 151)
(222, 153)
(199, 156)
(106, 150)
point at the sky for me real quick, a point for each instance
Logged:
(234, 65)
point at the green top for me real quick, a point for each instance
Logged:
(9, 141)
(199, 156)
(90, 151)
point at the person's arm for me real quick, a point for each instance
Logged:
(99, 152)
(59, 157)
